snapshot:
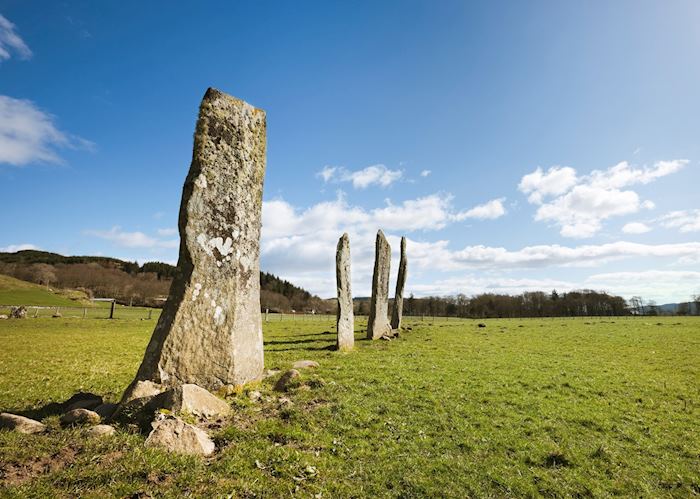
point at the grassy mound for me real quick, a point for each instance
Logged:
(16, 292)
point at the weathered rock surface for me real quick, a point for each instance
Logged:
(142, 389)
(286, 380)
(210, 330)
(378, 322)
(397, 311)
(174, 435)
(305, 364)
(80, 417)
(20, 424)
(192, 399)
(3, 317)
(100, 430)
(345, 319)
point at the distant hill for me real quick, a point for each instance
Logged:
(131, 283)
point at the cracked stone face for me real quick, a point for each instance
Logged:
(345, 318)
(378, 322)
(210, 331)
(397, 312)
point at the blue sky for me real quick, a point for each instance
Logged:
(518, 145)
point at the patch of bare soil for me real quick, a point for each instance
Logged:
(19, 473)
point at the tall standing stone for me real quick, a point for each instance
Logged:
(397, 312)
(210, 330)
(378, 322)
(345, 318)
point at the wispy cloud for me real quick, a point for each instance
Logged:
(487, 211)
(361, 179)
(28, 134)
(425, 173)
(10, 41)
(135, 239)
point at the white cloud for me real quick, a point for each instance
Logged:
(660, 285)
(487, 211)
(473, 285)
(133, 239)
(11, 42)
(361, 179)
(437, 256)
(579, 205)
(167, 232)
(425, 173)
(28, 134)
(12, 248)
(683, 220)
(557, 180)
(635, 228)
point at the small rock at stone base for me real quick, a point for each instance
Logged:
(20, 424)
(481, 324)
(254, 395)
(174, 435)
(80, 417)
(305, 364)
(285, 380)
(268, 373)
(101, 430)
(193, 399)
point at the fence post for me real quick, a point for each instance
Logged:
(84, 312)
(111, 309)
(150, 311)
(36, 312)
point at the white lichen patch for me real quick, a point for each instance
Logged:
(219, 316)
(224, 247)
(196, 291)
(201, 181)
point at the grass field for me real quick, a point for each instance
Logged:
(552, 408)
(16, 292)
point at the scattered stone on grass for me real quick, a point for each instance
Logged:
(481, 324)
(100, 430)
(269, 373)
(3, 317)
(254, 395)
(80, 417)
(174, 435)
(20, 424)
(286, 380)
(18, 312)
(193, 399)
(305, 364)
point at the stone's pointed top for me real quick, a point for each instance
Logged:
(213, 94)
(403, 243)
(380, 235)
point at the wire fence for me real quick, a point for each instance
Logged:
(117, 312)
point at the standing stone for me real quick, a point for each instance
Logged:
(210, 330)
(378, 322)
(397, 312)
(345, 318)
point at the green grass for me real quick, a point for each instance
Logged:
(16, 292)
(529, 408)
